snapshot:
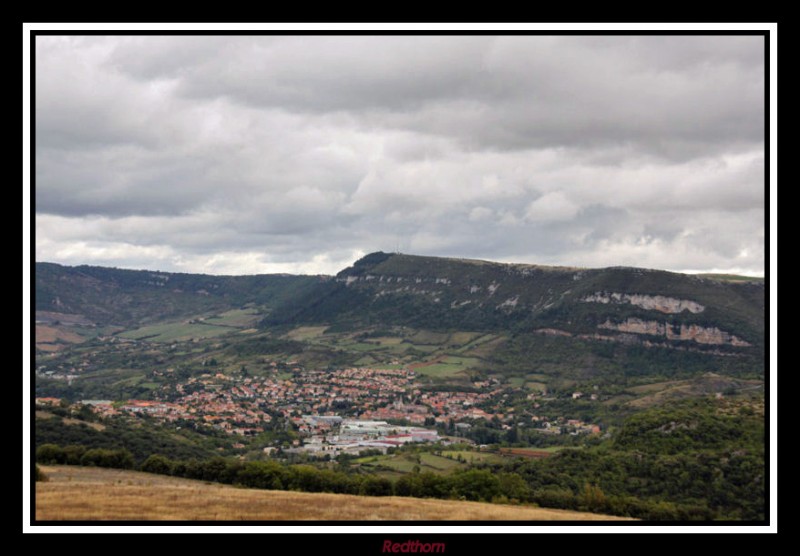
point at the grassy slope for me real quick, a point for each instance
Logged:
(84, 493)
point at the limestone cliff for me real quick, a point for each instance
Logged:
(659, 303)
(683, 332)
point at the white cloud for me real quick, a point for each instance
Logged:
(479, 214)
(551, 207)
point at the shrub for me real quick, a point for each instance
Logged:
(101, 457)
(39, 475)
(157, 464)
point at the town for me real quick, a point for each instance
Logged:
(348, 410)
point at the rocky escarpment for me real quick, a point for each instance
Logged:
(674, 311)
(669, 305)
(682, 332)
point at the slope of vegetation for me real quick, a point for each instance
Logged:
(132, 297)
(452, 294)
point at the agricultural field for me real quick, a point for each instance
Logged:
(436, 355)
(470, 456)
(407, 462)
(447, 367)
(171, 332)
(530, 452)
(51, 338)
(306, 333)
(475, 340)
(237, 318)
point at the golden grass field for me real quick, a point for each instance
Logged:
(85, 493)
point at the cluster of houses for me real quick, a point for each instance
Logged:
(315, 400)
(243, 405)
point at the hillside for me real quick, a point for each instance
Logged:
(410, 290)
(544, 328)
(76, 493)
(97, 296)
(581, 318)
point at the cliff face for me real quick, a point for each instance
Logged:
(430, 292)
(658, 303)
(682, 332)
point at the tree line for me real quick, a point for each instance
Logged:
(568, 485)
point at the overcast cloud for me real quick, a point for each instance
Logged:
(234, 155)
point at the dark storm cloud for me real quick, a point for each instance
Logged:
(257, 154)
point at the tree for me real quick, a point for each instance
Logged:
(50, 453)
(476, 484)
(514, 487)
(512, 435)
(592, 498)
(101, 457)
(157, 464)
(376, 486)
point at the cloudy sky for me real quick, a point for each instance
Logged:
(258, 154)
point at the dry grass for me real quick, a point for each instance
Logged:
(51, 334)
(80, 493)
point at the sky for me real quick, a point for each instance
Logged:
(300, 154)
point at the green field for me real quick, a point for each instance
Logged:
(426, 348)
(388, 366)
(536, 386)
(238, 318)
(405, 463)
(388, 340)
(366, 361)
(438, 463)
(476, 340)
(362, 346)
(537, 377)
(175, 332)
(306, 333)
(474, 457)
(549, 449)
(440, 370)
(651, 388)
(483, 346)
(460, 340)
(430, 338)
(449, 366)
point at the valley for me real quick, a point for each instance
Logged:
(461, 365)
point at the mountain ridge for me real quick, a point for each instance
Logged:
(471, 287)
(641, 319)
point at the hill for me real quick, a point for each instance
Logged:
(82, 493)
(432, 292)
(98, 296)
(547, 328)
(567, 317)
